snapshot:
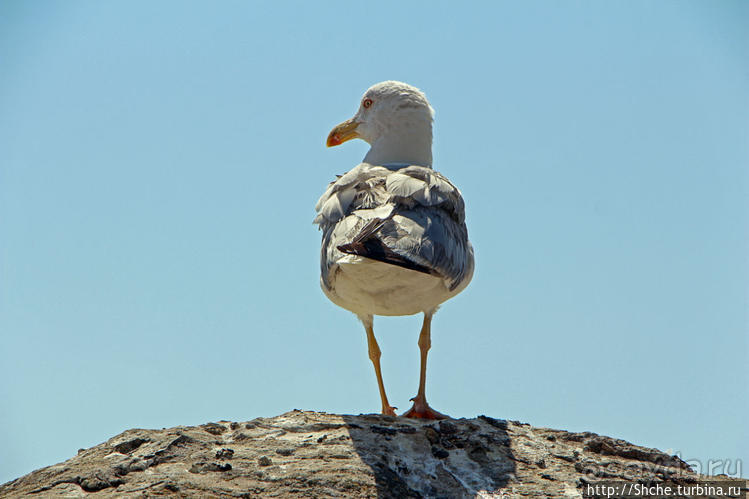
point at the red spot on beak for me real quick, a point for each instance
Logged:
(343, 132)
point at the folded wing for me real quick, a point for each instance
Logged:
(412, 217)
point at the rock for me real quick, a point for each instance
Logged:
(314, 454)
(224, 453)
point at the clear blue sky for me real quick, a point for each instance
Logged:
(160, 161)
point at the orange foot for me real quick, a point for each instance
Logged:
(422, 410)
(389, 411)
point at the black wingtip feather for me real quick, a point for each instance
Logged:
(375, 249)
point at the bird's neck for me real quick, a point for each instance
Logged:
(408, 146)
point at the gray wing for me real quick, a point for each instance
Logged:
(412, 217)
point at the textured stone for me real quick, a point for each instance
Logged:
(312, 454)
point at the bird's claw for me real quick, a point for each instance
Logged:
(421, 410)
(389, 411)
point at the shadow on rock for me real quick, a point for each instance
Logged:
(421, 458)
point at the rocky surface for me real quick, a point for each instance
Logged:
(312, 454)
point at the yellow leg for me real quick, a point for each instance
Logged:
(374, 356)
(420, 408)
(425, 343)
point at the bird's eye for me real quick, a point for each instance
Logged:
(367, 103)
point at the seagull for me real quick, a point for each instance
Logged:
(394, 238)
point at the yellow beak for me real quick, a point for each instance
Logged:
(343, 132)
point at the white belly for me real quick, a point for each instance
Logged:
(366, 286)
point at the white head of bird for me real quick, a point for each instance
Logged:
(395, 119)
